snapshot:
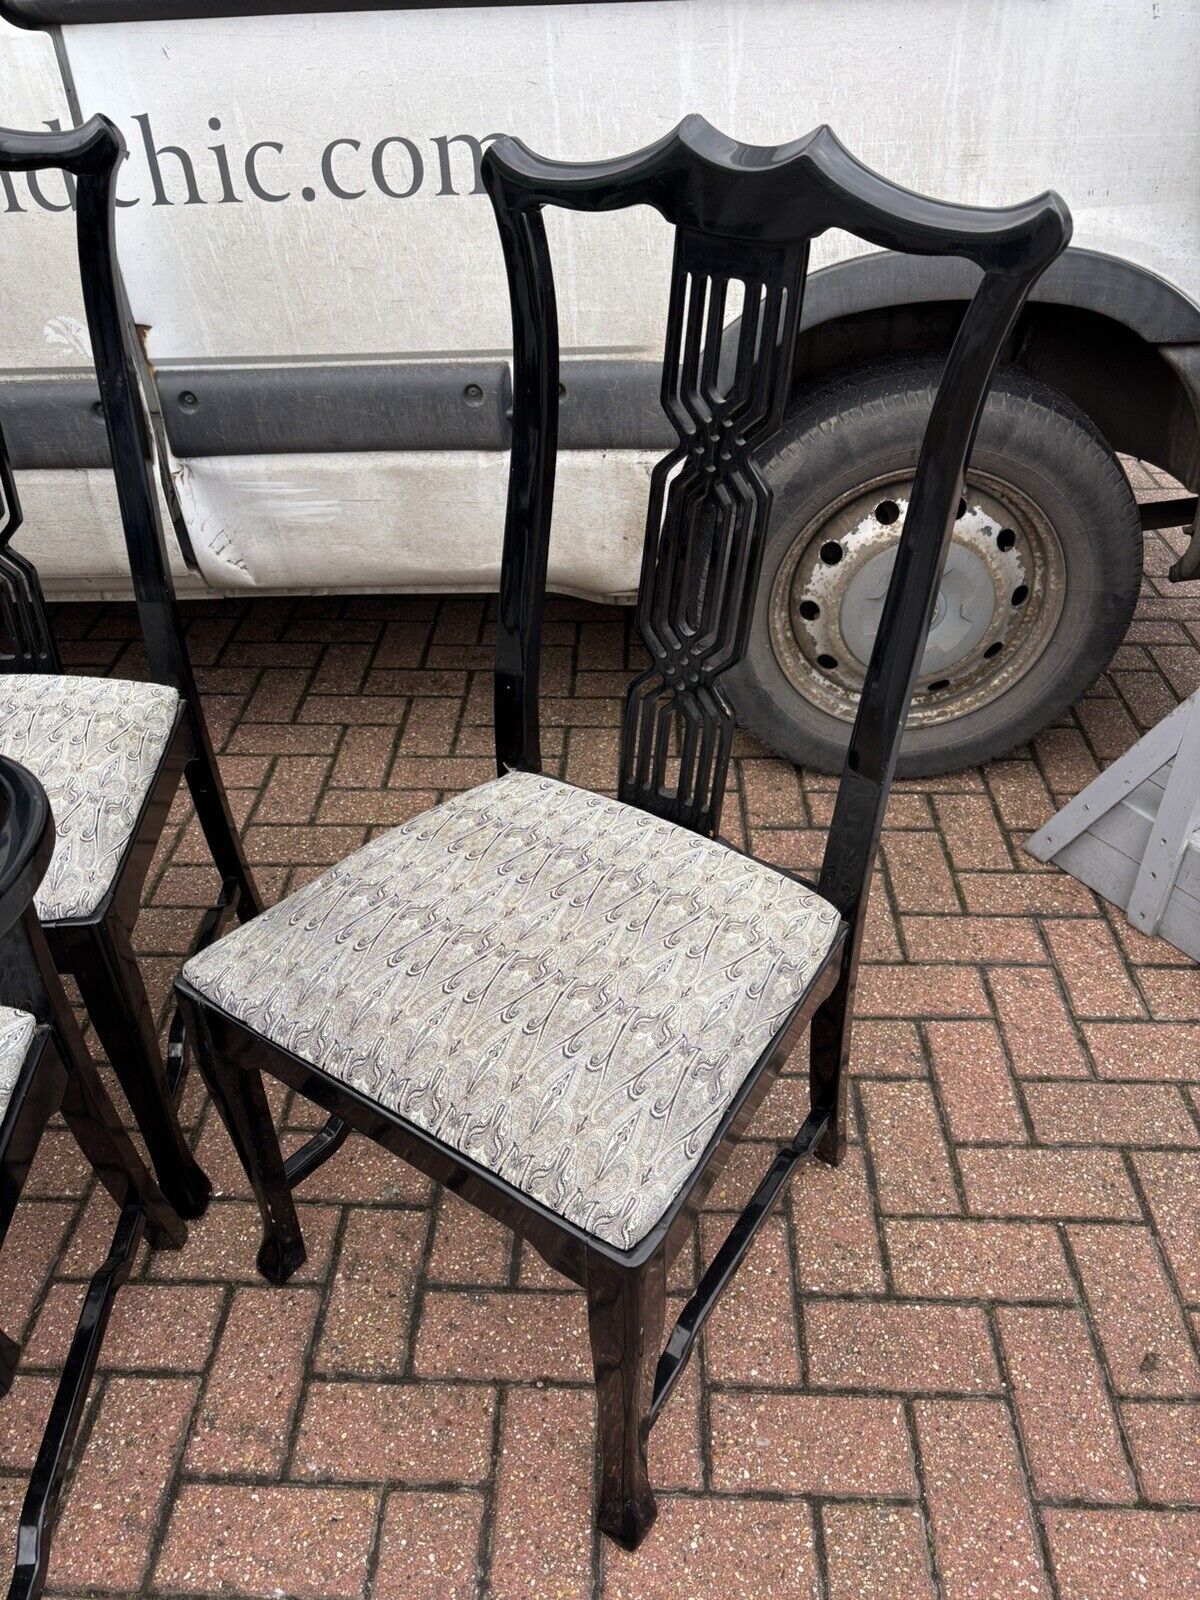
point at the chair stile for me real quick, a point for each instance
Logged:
(92, 938)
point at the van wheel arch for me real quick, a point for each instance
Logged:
(1101, 330)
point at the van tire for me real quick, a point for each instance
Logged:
(1034, 445)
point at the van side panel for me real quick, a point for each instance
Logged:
(302, 191)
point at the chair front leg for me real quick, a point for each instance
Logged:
(241, 1099)
(115, 996)
(93, 1120)
(626, 1312)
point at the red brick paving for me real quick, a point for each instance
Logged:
(1067, 1421)
(875, 1552)
(985, 1541)
(963, 1365)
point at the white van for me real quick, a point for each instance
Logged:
(309, 252)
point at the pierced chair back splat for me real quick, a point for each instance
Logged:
(45, 1067)
(110, 753)
(566, 1007)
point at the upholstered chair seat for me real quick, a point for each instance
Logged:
(16, 1030)
(564, 989)
(95, 745)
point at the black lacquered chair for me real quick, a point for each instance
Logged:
(564, 1007)
(44, 1068)
(110, 753)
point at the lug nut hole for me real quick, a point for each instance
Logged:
(1020, 594)
(828, 662)
(994, 649)
(831, 552)
(887, 512)
(809, 610)
(938, 685)
(1005, 539)
(962, 508)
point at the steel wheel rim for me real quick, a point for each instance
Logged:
(998, 606)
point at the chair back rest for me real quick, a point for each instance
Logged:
(26, 641)
(92, 155)
(26, 840)
(26, 845)
(744, 218)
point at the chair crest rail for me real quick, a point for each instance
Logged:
(745, 218)
(93, 155)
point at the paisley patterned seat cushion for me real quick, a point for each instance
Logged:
(95, 745)
(563, 988)
(16, 1030)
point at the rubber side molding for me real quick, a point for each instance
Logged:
(53, 419)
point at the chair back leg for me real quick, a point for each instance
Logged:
(93, 1120)
(40, 1508)
(216, 822)
(115, 996)
(626, 1314)
(829, 1064)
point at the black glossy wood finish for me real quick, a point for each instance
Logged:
(743, 215)
(58, 1075)
(745, 218)
(98, 950)
(729, 1257)
(28, 643)
(241, 1099)
(626, 1313)
(707, 522)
